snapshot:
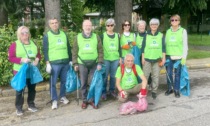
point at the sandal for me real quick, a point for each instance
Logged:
(93, 105)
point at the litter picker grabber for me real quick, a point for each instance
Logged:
(77, 88)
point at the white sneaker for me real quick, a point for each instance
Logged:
(64, 100)
(54, 104)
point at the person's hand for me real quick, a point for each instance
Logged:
(143, 93)
(98, 67)
(70, 63)
(126, 46)
(25, 60)
(123, 94)
(35, 62)
(48, 68)
(76, 68)
(183, 61)
(143, 61)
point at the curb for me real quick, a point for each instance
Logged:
(45, 86)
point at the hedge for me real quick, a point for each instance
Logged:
(7, 36)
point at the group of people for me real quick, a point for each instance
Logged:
(90, 51)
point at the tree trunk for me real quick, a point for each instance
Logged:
(3, 17)
(123, 11)
(52, 10)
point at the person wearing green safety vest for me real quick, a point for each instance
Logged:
(87, 57)
(24, 50)
(153, 54)
(127, 38)
(112, 57)
(126, 79)
(57, 54)
(176, 50)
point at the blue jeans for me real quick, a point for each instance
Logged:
(111, 68)
(58, 70)
(177, 72)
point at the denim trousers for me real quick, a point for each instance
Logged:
(173, 83)
(19, 101)
(84, 72)
(111, 68)
(58, 71)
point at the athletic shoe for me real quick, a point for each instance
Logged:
(19, 112)
(64, 100)
(54, 104)
(32, 109)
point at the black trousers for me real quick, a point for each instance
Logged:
(19, 101)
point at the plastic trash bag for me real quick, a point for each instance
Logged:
(96, 86)
(134, 107)
(136, 53)
(71, 81)
(18, 82)
(184, 81)
(35, 75)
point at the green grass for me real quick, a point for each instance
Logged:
(198, 54)
(199, 40)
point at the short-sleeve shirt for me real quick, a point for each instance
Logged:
(129, 79)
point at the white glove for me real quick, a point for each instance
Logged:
(70, 63)
(25, 60)
(48, 68)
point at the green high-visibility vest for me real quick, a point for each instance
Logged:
(57, 46)
(111, 47)
(153, 48)
(174, 42)
(139, 40)
(124, 40)
(29, 51)
(87, 47)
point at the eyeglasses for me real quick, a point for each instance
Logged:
(109, 25)
(25, 33)
(172, 20)
(127, 25)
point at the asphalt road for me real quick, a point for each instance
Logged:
(164, 111)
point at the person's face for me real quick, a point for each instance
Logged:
(141, 28)
(153, 27)
(54, 25)
(87, 27)
(126, 26)
(24, 34)
(174, 21)
(110, 27)
(129, 62)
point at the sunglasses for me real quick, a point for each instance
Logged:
(172, 20)
(127, 25)
(109, 25)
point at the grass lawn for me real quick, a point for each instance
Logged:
(198, 54)
(199, 40)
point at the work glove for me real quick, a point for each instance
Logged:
(143, 93)
(183, 61)
(123, 94)
(126, 46)
(48, 68)
(70, 63)
(25, 60)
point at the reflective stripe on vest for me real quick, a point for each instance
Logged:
(20, 52)
(153, 48)
(111, 47)
(174, 42)
(87, 47)
(57, 46)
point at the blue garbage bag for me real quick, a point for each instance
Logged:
(96, 85)
(136, 53)
(18, 82)
(35, 75)
(71, 81)
(184, 81)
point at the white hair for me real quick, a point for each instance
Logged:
(154, 21)
(110, 21)
(141, 22)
